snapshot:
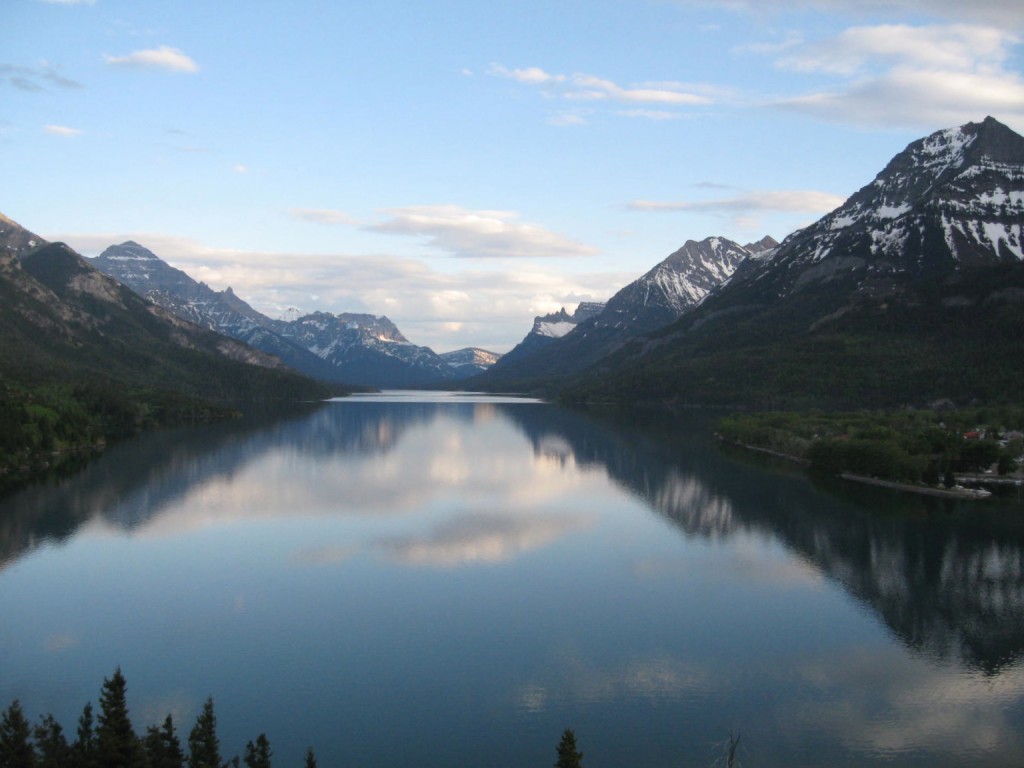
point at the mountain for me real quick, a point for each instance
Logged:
(15, 240)
(349, 348)
(366, 349)
(546, 329)
(65, 323)
(911, 291)
(150, 276)
(670, 289)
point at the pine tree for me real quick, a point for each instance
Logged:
(16, 739)
(162, 746)
(52, 750)
(83, 751)
(258, 755)
(203, 745)
(117, 746)
(568, 757)
(310, 758)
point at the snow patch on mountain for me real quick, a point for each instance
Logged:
(554, 330)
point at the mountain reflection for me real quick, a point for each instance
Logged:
(947, 580)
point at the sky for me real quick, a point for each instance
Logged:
(464, 165)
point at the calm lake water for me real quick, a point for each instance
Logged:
(451, 580)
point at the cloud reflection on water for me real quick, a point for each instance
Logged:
(483, 537)
(877, 703)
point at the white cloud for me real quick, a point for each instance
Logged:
(901, 75)
(942, 48)
(480, 234)
(239, 168)
(164, 57)
(62, 130)
(910, 98)
(446, 310)
(584, 87)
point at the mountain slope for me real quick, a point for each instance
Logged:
(470, 360)
(63, 320)
(911, 291)
(670, 289)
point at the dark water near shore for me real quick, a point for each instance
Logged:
(440, 580)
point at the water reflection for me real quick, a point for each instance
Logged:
(948, 582)
(494, 499)
(947, 579)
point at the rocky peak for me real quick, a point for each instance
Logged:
(952, 199)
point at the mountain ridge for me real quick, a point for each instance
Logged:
(348, 348)
(902, 295)
(661, 295)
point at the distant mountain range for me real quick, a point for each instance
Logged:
(355, 349)
(909, 293)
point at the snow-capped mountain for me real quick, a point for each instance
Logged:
(670, 289)
(910, 292)
(369, 350)
(677, 284)
(356, 349)
(150, 276)
(558, 324)
(950, 200)
(547, 329)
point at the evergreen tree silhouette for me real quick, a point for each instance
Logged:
(117, 746)
(16, 739)
(568, 757)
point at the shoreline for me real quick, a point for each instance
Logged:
(927, 490)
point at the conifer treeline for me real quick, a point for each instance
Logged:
(110, 740)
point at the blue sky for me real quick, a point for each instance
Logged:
(463, 165)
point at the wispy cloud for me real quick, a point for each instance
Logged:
(649, 114)
(164, 57)
(591, 88)
(323, 216)
(568, 119)
(480, 234)
(1003, 12)
(36, 79)
(795, 201)
(62, 130)
(902, 75)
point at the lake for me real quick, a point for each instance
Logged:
(438, 579)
